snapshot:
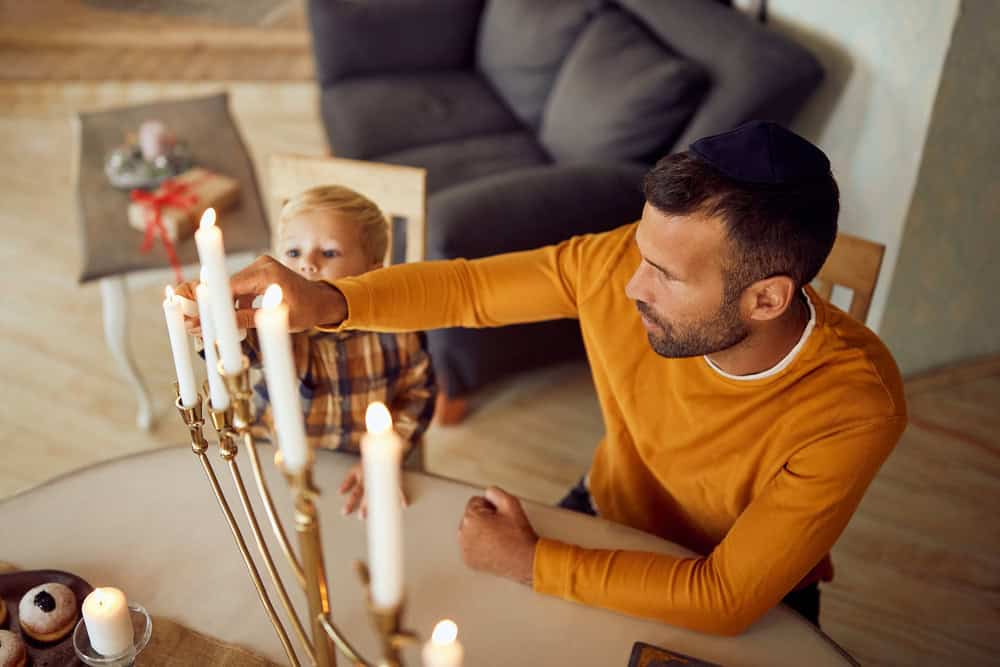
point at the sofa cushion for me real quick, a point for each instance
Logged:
(377, 115)
(620, 95)
(453, 162)
(530, 208)
(353, 39)
(522, 44)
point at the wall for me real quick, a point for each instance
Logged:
(883, 60)
(944, 298)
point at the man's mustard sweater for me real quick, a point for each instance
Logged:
(758, 476)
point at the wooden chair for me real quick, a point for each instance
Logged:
(853, 263)
(399, 191)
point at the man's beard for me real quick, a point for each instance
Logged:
(713, 334)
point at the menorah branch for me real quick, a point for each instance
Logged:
(193, 419)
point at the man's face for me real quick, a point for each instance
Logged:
(679, 287)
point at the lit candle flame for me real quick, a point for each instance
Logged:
(207, 219)
(445, 632)
(272, 296)
(377, 418)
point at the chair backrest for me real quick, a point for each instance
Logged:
(400, 192)
(853, 263)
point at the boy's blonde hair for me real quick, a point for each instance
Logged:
(372, 224)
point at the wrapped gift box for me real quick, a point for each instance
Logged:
(182, 200)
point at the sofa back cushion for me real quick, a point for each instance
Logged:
(621, 94)
(756, 72)
(353, 39)
(522, 44)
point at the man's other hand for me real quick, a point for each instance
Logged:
(495, 536)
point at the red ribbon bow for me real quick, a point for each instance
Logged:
(170, 193)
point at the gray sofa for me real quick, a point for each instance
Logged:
(536, 120)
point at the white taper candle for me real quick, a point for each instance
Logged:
(208, 238)
(443, 649)
(381, 450)
(282, 383)
(180, 348)
(216, 387)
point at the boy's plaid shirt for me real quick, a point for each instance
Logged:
(340, 373)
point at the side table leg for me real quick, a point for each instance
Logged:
(115, 300)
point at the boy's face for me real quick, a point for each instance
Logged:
(323, 245)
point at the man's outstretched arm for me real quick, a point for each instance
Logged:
(527, 286)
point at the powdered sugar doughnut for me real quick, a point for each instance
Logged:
(12, 650)
(48, 612)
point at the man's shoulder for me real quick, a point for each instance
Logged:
(601, 260)
(854, 365)
(612, 242)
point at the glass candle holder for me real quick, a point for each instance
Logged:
(142, 626)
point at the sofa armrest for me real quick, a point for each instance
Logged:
(358, 37)
(532, 207)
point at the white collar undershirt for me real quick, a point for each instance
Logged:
(781, 365)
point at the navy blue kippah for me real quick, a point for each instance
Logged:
(763, 153)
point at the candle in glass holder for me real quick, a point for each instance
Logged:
(443, 650)
(108, 621)
(216, 387)
(282, 383)
(208, 238)
(381, 450)
(180, 348)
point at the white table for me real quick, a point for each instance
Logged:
(150, 525)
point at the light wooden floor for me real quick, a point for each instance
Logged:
(918, 569)
(71, 41)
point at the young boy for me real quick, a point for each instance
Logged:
(325, 233)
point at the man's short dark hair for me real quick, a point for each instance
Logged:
(773, 230)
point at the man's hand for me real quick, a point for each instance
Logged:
(353, 487)
(496, 537)
(310, 302)
(191, 322)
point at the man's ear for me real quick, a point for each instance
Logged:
(768, 299)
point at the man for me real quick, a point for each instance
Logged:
(744, 416)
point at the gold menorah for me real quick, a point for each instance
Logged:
(319, 638)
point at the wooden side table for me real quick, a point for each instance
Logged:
(110, 248)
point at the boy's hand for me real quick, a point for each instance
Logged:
(354, 488)
(310, 302)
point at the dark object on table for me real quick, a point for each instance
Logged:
(109, 247)
(537, 120)
(14, 585)
(647, 655)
